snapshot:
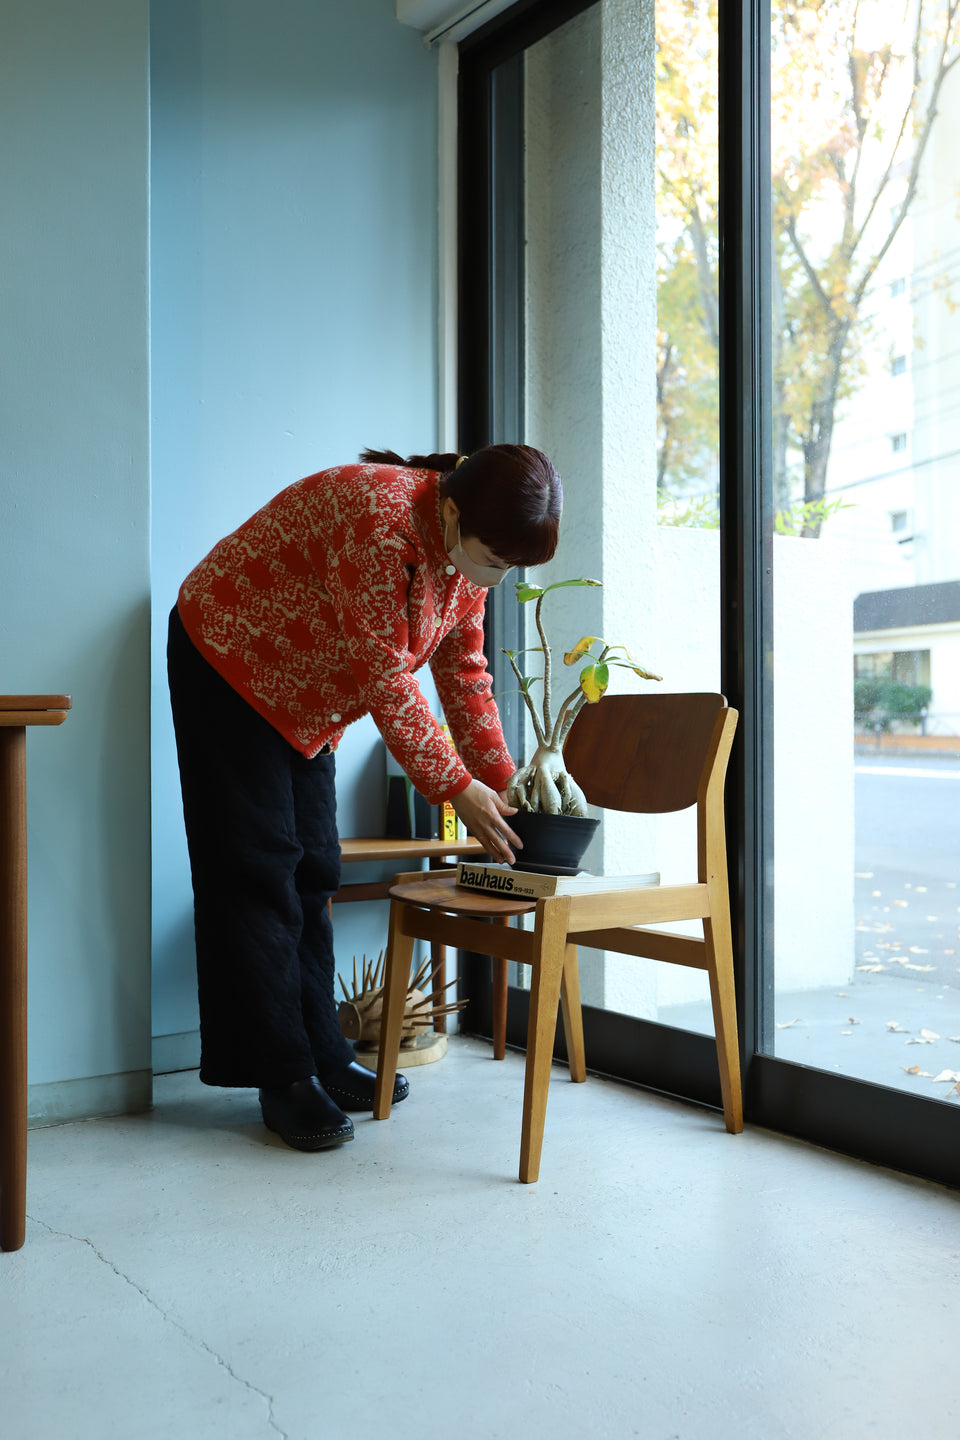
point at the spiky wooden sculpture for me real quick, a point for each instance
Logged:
(360, 1013)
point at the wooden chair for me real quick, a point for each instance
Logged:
(641, 753)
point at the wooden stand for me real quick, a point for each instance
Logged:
(16, 713)
(399, 852)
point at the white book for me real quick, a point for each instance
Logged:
(525, 885)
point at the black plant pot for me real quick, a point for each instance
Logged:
(552, 844)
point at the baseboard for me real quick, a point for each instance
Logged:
(176, 1052)
(61, 1101)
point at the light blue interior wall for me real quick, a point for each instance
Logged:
(294, 200)
(74, 527)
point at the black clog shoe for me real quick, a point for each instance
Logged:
(352, 1087)
(305, 1116)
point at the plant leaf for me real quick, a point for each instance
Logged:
(637, 669)
(580, 649)
(562, 584)
(527, 592)
(594, 679)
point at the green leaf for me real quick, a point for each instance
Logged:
(563, 584)
(527, 592)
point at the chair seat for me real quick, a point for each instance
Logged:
(443, 893)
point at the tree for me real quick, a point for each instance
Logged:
(855, 89)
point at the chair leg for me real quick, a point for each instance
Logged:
(548, 957)
(719, 948)
(396, 979)
(499, 1004)
(573, 1014)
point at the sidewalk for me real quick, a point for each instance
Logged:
(846, 1030)
(914, 745)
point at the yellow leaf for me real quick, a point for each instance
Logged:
(593, 682)
(580, 649)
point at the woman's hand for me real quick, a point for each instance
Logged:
(482, 810)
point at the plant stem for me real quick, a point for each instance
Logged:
(547, 716)
(562, 727)
(538, 729)
(565, 720)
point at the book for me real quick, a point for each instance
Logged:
(525, 885)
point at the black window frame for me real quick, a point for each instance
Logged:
(855, 1117)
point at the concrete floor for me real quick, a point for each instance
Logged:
(185, 1275)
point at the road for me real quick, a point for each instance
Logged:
(908, 867)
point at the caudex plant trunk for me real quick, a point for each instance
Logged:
(544, 784)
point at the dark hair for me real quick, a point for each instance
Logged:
(509, 497)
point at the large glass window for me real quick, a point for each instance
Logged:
(618, 376)
(709, 263)
(865, 166)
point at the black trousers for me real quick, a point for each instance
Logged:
(261, 825)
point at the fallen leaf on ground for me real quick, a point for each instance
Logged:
(876, 893)
(895, 1025)
(785, 1024)
(902, 904)
(872, 969)
(952, 1075)
(908, 966)
(846, 1032)
(954, 1038)
(926, 1037)
(852, 1020)
(920, 889)
(915, 1070)
(917, 950)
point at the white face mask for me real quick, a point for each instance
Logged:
(486, 575)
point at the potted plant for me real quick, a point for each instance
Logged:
(552, 816)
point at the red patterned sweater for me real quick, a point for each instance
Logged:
(322, 606)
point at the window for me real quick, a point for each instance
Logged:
(793, 809)
(899, 365)
(897, 287)
(906, 667)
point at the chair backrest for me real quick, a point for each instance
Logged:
(644, 753)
